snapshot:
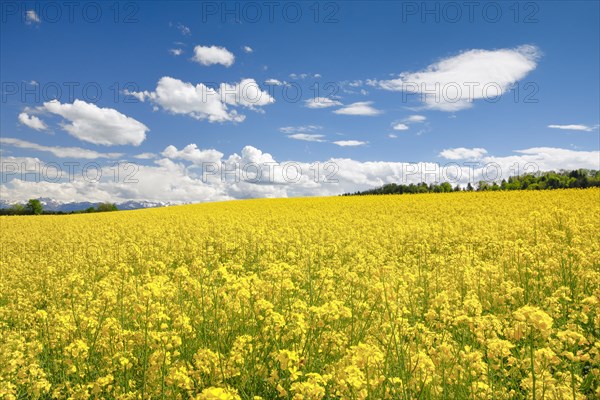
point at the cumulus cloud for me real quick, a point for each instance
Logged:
(197, 101)
(359, 108)
(31, 17)
(247, 49)
(400, 127)
(462, 153)
(321, 102)
(273, 82)
(181, 180)
(307, 137)
(32, 121)
(202, 102)
(58, 151)
(245, 93)
(104, 126)
(211, 55)
(453, 83)
(193, 154)
(575, 127)
(350, 143)
(176, 52)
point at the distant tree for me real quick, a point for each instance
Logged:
(34, 207)
(580, 178)
(102, 207)
(17, 209)
(90, 210)
(483, 186)
(446, 187)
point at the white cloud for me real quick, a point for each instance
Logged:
(31, 17)
(576, 127)
(105, 126)
(415, 118)
(145, 156)
(273, 82)
(304, 76)
(210, 55)
(185, 31)
(359, 108)
(58, 151)
(401, 127)
(321, 102)
(411, 119)
(392, 136)
(32, 121)
(141, 96)
(547, 159)
(350, 143)
(245, 93)
(176, 52)
(247, 49)
(453, 83)
(193, 154)
(199, 101)
(462, 153)
(172, 181)
(300, 129)
(307, 137)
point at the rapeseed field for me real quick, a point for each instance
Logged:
(488, 295)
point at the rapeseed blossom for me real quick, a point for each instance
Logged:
(491, 295)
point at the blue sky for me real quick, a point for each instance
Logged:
(542, 56)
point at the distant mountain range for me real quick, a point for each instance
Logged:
(53, 205)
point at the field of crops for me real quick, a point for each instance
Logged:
(491, 295)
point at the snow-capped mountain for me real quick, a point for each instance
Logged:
(53, 205)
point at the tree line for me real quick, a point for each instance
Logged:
(580, 178)
(35, 207)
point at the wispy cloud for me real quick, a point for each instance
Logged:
(575, 127)
(359, 108)
(321, 102)
(185, 31)
(400, 127)
(350, 143)
(307, 137)
(59, 151)
(300, 129)
(454, 83)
